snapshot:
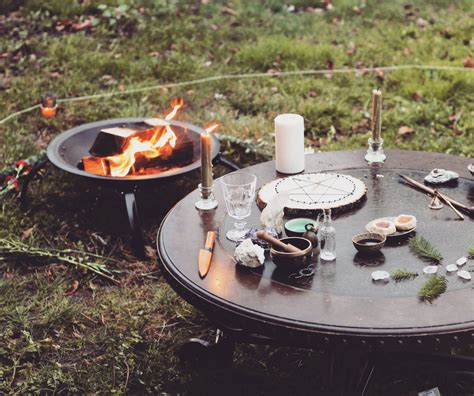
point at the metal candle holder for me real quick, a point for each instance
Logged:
(207, 201)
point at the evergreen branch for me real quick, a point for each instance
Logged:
(403, 274)
(471, 251)
(13, 247)
(433, 288)
(424, 249)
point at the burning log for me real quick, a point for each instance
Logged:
(96, 165)
(111, 141)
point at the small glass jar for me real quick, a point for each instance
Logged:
(327, 238)
(49, 105)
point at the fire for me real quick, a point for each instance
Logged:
(161, 142)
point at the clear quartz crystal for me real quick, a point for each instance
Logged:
(327, 237)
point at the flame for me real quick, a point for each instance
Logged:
(162, 142)
(212, 128)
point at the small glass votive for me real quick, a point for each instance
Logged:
(207, 201)
(375, 151)
(48, 106)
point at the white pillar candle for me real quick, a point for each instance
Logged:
(289, 143)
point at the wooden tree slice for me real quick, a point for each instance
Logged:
(310, 193)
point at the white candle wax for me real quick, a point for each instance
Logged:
(289, 143)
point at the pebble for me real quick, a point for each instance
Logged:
(380, 275)
(430, 269)
(461, 261)
(464, 274)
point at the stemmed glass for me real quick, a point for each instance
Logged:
(239, 193)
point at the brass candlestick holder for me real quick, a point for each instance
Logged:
(207, 201)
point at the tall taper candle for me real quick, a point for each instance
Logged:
(206, 159)
(289, 143)
(376, 115)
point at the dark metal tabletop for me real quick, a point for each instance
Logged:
(339, 297)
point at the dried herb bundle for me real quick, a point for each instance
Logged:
(403, 274)
(15, 248)
(433, 288)
(423, 248)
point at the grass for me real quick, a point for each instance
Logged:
(104, 338)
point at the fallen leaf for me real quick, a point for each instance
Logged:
(468, 62)
(420, 22)
(418, 96)
(380, 74)
(405, 131)
(82, 25)
(73, 288)
(27, 233)
(330, 67)
(406, 51)
(229, 11)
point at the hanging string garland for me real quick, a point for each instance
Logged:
(241, 76)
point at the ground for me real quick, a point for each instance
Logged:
(63, 329)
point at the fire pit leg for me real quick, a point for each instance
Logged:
(135, 225)
(28, 178)
(220, 159)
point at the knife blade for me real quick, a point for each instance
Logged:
(205, 255)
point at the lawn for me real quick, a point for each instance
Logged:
(66, 329)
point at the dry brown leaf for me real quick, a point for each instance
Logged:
(73, 288)
(229, 11)
(380, 74)
(405, 131)
(27, 233)
(406, 51)
(82, 25)
(468, 62)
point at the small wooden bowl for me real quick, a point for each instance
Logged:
(378, 242)
(290, 261)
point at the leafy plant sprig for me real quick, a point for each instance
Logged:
(433, 288)
(15, 248)
(471, 251)
(424, 249)
(403, 274)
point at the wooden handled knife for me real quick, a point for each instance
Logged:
(205, 255)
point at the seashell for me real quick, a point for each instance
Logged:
(440, 176)
(430, 269)
(451, 267)
(464, 274)
(461, 261)
(380, 275)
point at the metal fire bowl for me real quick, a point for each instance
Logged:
(67, 150)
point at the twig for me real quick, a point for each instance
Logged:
(14, 247)
(439, 195)
(429, 190)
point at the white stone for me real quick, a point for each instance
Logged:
(272, 214)
(451, 268)
(461, 261)
(249, 254)
(464, 274)
(380, 275)
(439, 176)
(430, 269)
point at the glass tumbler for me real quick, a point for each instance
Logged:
(239, 193)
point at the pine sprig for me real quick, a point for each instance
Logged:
(471, 251)
(424, 249)
(403, 274)
(433, 288)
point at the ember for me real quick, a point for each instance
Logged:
(122, 151)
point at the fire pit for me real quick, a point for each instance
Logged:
(171, 148)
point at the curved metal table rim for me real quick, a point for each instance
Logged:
(265, 321)
(126, 186)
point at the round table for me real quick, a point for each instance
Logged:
(338, 304)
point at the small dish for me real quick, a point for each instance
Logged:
(292, 261)
(296, 227)
(369, 242)
(396, 234)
